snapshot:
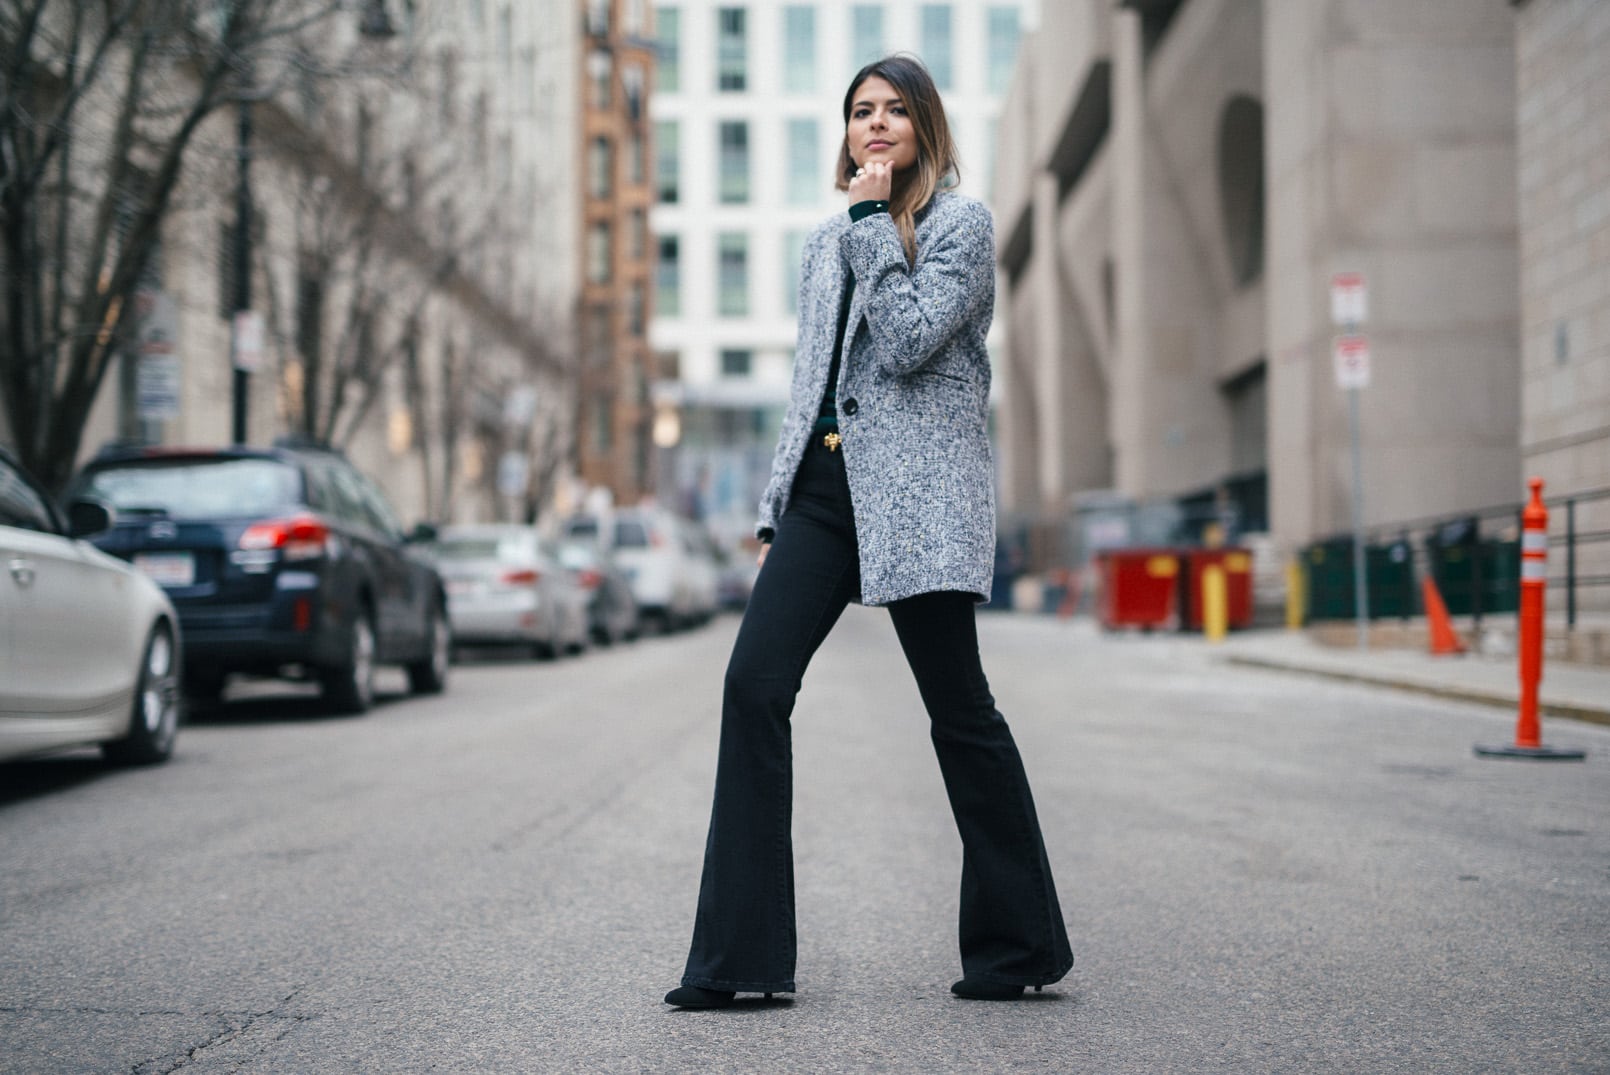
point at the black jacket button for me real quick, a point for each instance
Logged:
(850, 406)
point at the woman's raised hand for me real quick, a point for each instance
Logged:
(874, 181)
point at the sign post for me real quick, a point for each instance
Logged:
(1350, 352)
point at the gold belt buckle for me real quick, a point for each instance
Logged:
(832, 440)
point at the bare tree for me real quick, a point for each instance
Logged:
(100, 104)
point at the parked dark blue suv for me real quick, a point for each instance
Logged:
(282, 561)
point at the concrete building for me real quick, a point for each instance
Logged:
(417, 294)
(1186, 179)
(747, 128)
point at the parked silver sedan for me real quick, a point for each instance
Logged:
(507, 586)
(89, 646)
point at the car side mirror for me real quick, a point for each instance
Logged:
(86, 518)
(422, 534)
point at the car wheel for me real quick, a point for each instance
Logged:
(350, 687)
(154, 724)
(429, 675)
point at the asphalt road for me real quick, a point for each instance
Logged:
(1260, 873)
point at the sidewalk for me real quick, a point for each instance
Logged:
(1575, 691)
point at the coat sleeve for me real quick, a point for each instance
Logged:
(912, 311)
(794, 418)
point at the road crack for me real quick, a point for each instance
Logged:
(233, 1027)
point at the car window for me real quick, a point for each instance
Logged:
(199, 489)
(630, 534)
(374, 503)
(21, 505)
(509, 548)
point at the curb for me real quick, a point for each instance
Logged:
(1567, 710)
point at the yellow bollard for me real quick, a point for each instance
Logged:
(1215, 603)
(1295, 598)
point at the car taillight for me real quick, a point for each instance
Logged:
(301, 537)
(589, 578)
(520, 578)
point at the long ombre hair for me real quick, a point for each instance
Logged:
(936, 165)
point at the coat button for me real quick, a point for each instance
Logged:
(851, 406)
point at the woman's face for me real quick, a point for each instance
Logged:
(880, 128)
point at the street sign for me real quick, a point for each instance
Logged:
(1349, 299)
(248, 341)
(513, 473)
(1351, 357)
(156, 387)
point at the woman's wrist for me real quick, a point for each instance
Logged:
(863, 209)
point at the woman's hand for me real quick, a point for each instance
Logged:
(872, 182)
(760, 561)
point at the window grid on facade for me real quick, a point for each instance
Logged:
(866, 29)
(935, 37)
(600, 167)
(598, 266)
(731, 50)
(667, 49)
(803, 160)
(799, 49)
(666, 162)
(732, 274)
(600, 71)
(1004, 31)
(736, 362)
(793, 251)
(668, 278)
(734, 163)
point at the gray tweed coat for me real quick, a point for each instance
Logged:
(913, 395)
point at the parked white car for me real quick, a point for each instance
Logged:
(506, 585)
(665, 557)
(89, 646)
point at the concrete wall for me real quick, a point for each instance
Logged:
(1391, 152)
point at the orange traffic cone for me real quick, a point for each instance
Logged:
(1444, 639)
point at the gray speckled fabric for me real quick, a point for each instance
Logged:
(913, 395)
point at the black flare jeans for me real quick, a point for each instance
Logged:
(1011, 928)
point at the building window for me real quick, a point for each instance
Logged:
(803, 162)
(731, 50)
(635, 312)
(600, 167)
(603, 422)
(667, 49)
(799, 49)
(668, 278)
(1004, 31)
(598, 267)
(600, 69)
(793, 252)
(732, 280)
(598, 17)
(633, 82)
(635, 167)
(734, 163)
(866, 34)
(666, 162)
(736, 362)
(638, 240)
(598, 345)
(935, 36)
(632, 18)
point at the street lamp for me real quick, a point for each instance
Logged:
(374, 24)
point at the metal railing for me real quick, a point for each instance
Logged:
(1474, 557)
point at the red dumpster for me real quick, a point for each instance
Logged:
(1237, 565)
(1139, 588)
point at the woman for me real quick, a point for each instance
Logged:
(881, 491)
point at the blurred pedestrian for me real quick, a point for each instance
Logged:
(881, 492)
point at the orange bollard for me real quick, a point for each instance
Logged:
(1534, 582)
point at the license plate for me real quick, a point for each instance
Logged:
(167, 568)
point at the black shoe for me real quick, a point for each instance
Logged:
(978, 989)
(692, 996)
